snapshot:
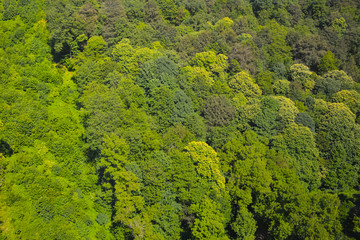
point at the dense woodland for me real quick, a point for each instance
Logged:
(179, 119)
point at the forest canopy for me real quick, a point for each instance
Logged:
(186, 119)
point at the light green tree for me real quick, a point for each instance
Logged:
(244, 83)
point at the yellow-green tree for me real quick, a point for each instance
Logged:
(244, 83)
(207, 162)
(121, 186)
(216, 64)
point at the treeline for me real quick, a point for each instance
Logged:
(188, 119)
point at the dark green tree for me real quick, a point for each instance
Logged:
(218, 111)
(182, 106)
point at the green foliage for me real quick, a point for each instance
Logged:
(337, 137)
(216, 64)
(299, 143)
(161, 71)
(333, 82)
(268, 115)
(282, 87)
(161, 105)
(328, 63)
(207, 163)
(120, 185)
(196, 125)
(201, 187)
(309, 49)
(44, 132)
(128, 58)
(265, 80)
(155, 176)
(277, 211)
(93, 70)
(199, 80)
(103, 113)
(287, 110)
(182, 107)
(218, 111)
(244, 83)
(349, 98)
(277, 53)
(244, 225)
(265, 122)
(95, 46)
(209, 220)
(243, 161)
(306, 120)
(157, 119)
(131, 94)
(301, 75)
(177, 136)
(172, 11)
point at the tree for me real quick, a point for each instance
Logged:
(88, 17)
(265, 123)
(111, 13)
(319, 11)
(161, 105)
(182, 107)
(209, 222)
(63, 36)
(46, 182)
(267, 115)
(199, 80)
(328, 63)
(310, 49)
(196, 125)
(282, 87)
(171, 11)
(277, 54)
(218, 111)
(216, 64)
(265, 81)
(96, 45)
(152, 12)
(244, 164)
(205, 158)
(244, 225)
(200, 184)
(131, 94)
(299, 143)
(245, 54)
(156, 186)
(92, 65)
(318, 211)
(155, 119)
(123, 53)
(128, 58)
(350, 98)
(244, 83)
(306, 120)
(333, 82)
(120, 185)
(301, 74)
(160, 71)
(287, 110)
(337, 140)
(207, 168)
(104, 111)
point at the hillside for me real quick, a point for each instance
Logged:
(186, 119)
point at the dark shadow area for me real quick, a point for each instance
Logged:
(92, 155)
(353, 206)
(186, 221)
(5, 149)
